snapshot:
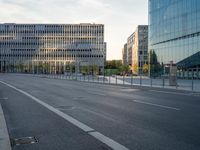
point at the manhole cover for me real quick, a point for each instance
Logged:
(23, 140)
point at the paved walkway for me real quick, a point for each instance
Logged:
(4, 137)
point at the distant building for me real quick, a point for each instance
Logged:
(137, 49)
(124, 55)
(130, 43)
(140, 49)
(174, 36)
(51, 48)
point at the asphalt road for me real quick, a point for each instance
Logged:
(138, 119)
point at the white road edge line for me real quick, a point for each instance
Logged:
(157, 105)
(106, 140)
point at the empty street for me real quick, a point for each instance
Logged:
(73, 115)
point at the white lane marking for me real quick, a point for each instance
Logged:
(93, 93)
(129, 90)
(157, 105)
(114, 145)
(186, 94)
(4, 98)
(111, 143)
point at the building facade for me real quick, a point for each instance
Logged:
(129, 48)
(137, 50)
(124, 55)
(174, 37)
(51, 48)
(140, 50)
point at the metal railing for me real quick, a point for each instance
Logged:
(182, 84)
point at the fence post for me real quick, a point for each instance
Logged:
(192, 79)
(131, 80)
(163, 82)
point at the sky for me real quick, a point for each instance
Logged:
(120, 17)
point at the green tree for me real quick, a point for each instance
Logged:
(155, 66)
(145, 68)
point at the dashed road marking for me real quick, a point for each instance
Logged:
(3, 98)
(156, 105)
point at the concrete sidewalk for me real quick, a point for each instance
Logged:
(4, 137)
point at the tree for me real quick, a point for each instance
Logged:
(113, 64)
(155, 66)
(135, 68)
(145, 68)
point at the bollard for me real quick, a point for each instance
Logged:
(116, 80)
(140, 80)
(151, 81)
(109, 79)
(123, 79)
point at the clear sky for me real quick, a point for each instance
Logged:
(119, 16)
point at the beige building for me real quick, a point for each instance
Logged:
(137, 50)
(124, 55)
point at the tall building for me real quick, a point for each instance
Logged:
(129, 49)
(140, 50)
(137, 50)
(51, 48)
(174, 36)
(124, 55)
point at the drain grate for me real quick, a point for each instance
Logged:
(23, 140)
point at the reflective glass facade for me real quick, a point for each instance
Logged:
(174, 35)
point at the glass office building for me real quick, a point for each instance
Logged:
(174, 36)
(51, 48)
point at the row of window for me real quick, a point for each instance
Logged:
(72, 43)
(47, 56)
(56, 50)
(52, 31)
(23, 50)
(47, 26)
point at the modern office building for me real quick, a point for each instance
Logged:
(124, 55)
(140, 50)
(174, 37)
(129, 49)
(137, 50)
(51, 48)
